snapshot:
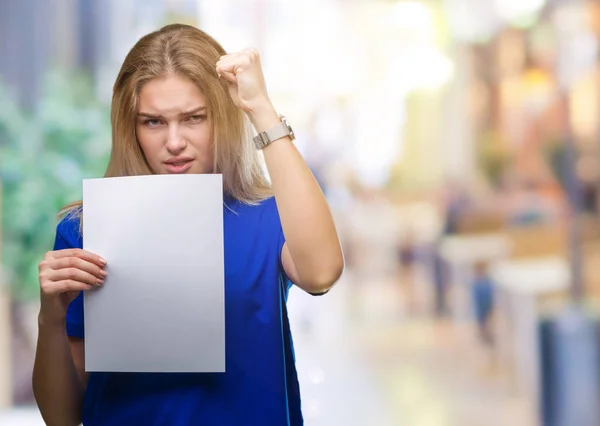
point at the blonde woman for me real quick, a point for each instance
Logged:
(181, 105)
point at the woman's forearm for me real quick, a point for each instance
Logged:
(57, 387)
(306, 219)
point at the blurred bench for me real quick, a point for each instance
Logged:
(534, 277)
(461, 253)
(530, 266)
(480, 222)
(525, 289)
(590, 232)
(480, 237)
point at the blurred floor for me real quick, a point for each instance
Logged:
(363, 360)
(21, 417)
(375, 364)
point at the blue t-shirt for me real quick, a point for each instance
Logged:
(260, 385)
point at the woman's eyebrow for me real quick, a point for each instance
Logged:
(190, 112)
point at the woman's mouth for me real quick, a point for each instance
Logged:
(179, 165)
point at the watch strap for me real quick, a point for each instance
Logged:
(276, 132)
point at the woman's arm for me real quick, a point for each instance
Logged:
(57, 385)
(312, 255)
(59, 378)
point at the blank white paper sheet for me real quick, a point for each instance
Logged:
(162, 306)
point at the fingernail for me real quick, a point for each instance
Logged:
(100, 281)
(103, 261)
(103, 273)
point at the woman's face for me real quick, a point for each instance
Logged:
(172, 126)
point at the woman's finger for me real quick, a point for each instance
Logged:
(76, 262)
(82, 254)
(58, 287)
(74, 274)
(233, 64)
(228, 77)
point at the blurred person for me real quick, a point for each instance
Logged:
(482, 294)
(440, 283)
(455, 203)
(181, 105)
(406, 253)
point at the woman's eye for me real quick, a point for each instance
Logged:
(197, 118)
(153, 122)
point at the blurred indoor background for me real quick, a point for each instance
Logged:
(458, 144)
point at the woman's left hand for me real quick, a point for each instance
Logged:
(243, 73)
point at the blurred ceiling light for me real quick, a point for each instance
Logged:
(471, 20)
(571, 17)
(576, 42)
(408, 15)
(521, 13)
(303, 53)
(424, 67)
(378, 140)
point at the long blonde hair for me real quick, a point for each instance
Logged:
(187, 51)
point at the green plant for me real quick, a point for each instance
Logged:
(44, 155)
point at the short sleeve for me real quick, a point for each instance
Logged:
(67, 236)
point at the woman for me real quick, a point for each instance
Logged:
(180, 105)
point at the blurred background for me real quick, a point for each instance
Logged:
(458, 144)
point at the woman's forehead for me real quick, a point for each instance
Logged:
(172, 94)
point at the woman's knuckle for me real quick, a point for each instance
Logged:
(45, 287)
(71, 273)
(245, 59)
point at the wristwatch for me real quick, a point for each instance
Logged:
(279, 131)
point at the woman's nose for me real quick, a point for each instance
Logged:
(176, 143)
